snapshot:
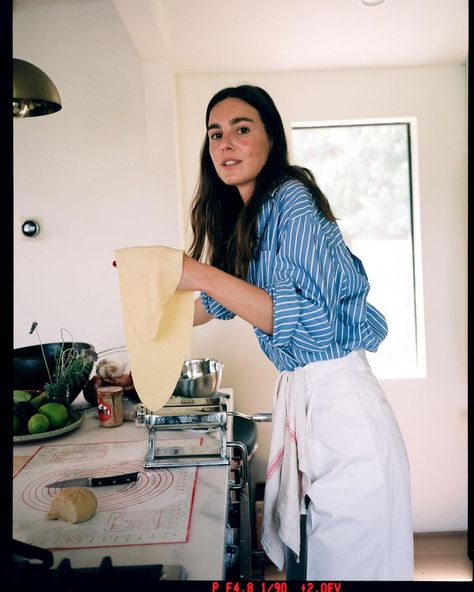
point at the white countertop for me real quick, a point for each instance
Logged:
(203, 555)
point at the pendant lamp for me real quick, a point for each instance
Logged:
(33, 91)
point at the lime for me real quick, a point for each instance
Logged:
(38, 423)
(20, 396)
(57, 414)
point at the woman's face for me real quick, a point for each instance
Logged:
(238, 144)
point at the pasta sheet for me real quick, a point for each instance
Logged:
(157, 318)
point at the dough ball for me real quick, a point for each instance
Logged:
(73, 504)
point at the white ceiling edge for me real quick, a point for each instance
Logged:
(206, 37)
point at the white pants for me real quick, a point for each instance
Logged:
(358, 524)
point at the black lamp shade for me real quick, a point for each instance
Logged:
(33, 91)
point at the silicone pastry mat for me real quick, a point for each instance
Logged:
(155, 509)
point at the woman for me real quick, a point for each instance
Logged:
(272, 253)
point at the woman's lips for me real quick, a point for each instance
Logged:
(230, 162)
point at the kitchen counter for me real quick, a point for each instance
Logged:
(203, 555)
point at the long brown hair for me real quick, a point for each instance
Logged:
(223, 226)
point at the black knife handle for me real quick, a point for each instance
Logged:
(114, 480)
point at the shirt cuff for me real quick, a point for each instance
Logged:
(297, 322)
(286, 312)
(215, 309)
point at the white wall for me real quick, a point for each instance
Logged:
(102, 173)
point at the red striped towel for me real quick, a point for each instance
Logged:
(286, 480)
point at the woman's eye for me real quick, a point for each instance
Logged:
(215, 136)
(243, 130)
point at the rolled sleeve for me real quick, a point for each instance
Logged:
(297, 322)
(303, 281)
(215, 309)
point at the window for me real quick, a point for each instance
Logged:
(366, 170)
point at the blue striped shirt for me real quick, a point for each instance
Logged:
(318, 287)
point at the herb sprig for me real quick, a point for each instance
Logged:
(72, 367)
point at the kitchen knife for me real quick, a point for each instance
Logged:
(96, 481)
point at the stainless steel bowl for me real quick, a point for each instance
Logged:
(199, 378)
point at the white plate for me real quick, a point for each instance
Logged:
(74, 422)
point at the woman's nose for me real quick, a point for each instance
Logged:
(226, 143)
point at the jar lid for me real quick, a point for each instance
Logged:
(110, 390)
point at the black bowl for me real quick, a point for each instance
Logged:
(29, 366)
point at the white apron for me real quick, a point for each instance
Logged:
(352, 466)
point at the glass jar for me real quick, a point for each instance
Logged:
(109, 405)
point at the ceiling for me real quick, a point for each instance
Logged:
(220, 36)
